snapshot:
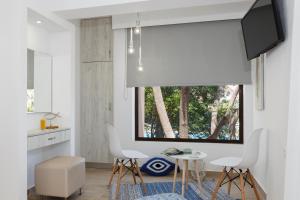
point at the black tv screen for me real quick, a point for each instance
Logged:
(262, 28)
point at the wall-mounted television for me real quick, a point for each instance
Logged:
(262, 28)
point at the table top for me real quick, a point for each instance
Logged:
(193, 156)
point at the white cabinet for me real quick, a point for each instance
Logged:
(33, 143)
(39, 139)
(96, 93)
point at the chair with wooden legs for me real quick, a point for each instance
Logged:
(125, 160)
(238, 167)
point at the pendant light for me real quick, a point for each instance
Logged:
(131, 47)
(140, 65)
(137, 29)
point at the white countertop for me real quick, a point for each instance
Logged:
(36, 132)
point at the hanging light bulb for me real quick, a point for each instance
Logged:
(140, 66)
(131, 47)
(137, 29)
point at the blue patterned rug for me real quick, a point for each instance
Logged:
(132, 192)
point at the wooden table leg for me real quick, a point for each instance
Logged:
(196, 165)
(175, 175)
(187, 175)
(185, 165)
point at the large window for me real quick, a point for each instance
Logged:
(190, 114)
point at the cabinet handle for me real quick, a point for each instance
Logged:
(52, 138)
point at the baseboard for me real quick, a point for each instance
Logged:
(260, 189)
(98, 165)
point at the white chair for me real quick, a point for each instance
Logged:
(125, 160)
(238, 167)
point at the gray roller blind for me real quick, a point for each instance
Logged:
(206, 53)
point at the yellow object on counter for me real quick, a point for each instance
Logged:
(43, 124)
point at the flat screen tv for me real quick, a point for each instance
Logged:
(262, 28)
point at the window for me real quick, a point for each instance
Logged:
(30, 100)
(189, 114)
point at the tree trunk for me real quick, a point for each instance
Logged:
(183, 113)
(232, 123)
(226, 117)
(162, 113)
(214, 117)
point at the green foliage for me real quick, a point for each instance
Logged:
(202, 99)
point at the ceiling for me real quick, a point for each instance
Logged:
(33, 17)
(78, 9)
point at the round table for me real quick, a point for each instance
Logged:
(196, 158)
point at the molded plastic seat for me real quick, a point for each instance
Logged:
(227, 161)
(249, 157)
(116, 149)
(243, 163)
(125, 160)
(133, 154)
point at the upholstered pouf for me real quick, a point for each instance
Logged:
(158, 167)
(60, 176)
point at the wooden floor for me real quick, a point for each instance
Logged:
(97, 179)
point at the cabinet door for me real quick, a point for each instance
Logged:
(33, 143)
(96, 40)
(96, 111)
(58, 137)
(46, 139)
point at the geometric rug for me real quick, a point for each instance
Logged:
(131, 192)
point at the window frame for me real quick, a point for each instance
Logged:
(241, 129)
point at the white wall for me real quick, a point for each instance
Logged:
(13, 100)
(269, 171)
(292, 175)
(124, 114)
(61, 46)
(76, 24)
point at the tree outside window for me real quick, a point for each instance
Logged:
(190, 113)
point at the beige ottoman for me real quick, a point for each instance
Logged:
(60, 176)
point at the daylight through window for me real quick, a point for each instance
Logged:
(190, 114)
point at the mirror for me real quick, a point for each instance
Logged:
(39, 82)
